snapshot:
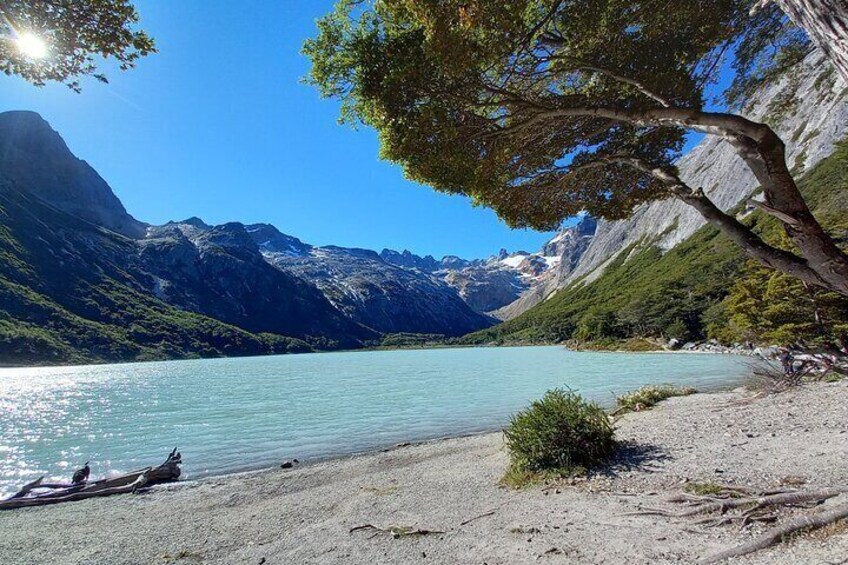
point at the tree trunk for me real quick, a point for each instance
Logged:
(750, 243)
(826, 23)
(766, 157)
(822, 262)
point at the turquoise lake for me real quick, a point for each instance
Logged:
(230, 415)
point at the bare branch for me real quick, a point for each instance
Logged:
(639, 85)
(771, 211)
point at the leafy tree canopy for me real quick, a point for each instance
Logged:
(445, 82)
(766, 46)
(76, 35)
(541, 109)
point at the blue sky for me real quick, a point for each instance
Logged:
(217, 125)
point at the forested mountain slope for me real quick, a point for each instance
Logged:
(67, 295)
(84, 281)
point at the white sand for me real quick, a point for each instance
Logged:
(304, 515)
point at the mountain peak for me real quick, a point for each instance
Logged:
(410, 260)
(25, 118)
(35, 159)
(271, 240)
(196, 222)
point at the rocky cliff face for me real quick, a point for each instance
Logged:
(271, 240)
(484, 284)
(409, 260)
(264, 280)
(380, 295)
(34, 158)
(502, 283)
(218, 271)
(561, 256)
(809, 109)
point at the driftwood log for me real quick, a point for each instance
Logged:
(127, 483)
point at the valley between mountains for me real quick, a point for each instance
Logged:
(82, 280)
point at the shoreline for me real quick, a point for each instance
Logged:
(264, 356)
(360, 350)
(305, 514)
(306, 461)
(433, 441)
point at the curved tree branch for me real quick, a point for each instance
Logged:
(737, 232)
(717, 123)
(757, 144)
(638, 85)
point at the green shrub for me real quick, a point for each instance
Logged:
(638, 345)
(833, 378)
(633, 344)
(647, 396)
(560, 434)
(678, 330)
(711, 489)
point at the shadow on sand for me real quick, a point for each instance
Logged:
(633, 456)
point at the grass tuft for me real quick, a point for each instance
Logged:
(647, 397)
(706, 489)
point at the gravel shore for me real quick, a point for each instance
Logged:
(305, 515)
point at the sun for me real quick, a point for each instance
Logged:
(32, 46)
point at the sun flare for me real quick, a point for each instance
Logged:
(32, 46)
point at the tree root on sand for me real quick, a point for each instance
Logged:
(483, 515)
(775, 535)
(744, 506)
(396, 531)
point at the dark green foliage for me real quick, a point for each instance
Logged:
(36, 330)
(399, 340)
(561, 433)
(697, 289)
(765, 305)
(629, 345)
(641, 297)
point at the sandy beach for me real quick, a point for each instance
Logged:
(306, 514)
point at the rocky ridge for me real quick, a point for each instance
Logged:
(35, 158)
(493, 285)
